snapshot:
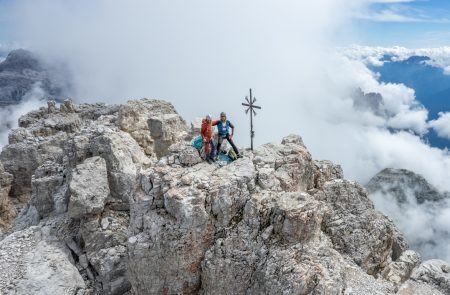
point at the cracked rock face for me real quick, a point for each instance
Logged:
(117, 199)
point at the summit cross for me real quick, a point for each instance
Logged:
(251, 107)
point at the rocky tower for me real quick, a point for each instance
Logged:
(114, 200)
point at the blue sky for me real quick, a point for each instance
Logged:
(5, 27)
(419, 23)
(409, 23)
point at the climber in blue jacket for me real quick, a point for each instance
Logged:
(223, 128)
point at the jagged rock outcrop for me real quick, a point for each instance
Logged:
(154, 126)
(117, 198)
(74, 162)
(356, 229)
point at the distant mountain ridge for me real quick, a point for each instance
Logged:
(20, 73)
(401, 182)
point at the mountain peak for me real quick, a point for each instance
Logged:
(19, 60)
(119, 200)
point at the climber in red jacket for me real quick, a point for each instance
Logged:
(207, 136)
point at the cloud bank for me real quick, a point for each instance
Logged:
(424, 225)
(374, 56)
(442, 125)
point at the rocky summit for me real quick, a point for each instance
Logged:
(112, 199)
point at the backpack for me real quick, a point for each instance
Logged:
(197, 142)
(232, 155)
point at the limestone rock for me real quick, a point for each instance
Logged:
(184, 154)
(234, 233)
(20, 160)
(89, 188)
(434, 272)
(50, 193)
(417, 288)
(287, 167)
(30, 265)
(105, 241)
(7, 210)
(166, 129)
(327, 171)
(196, 126)
(268, 250)
(356, 229)
(399, 271)
(27, 217)
(154, 124)
(67, 106)
(123, 159)
(40, 139)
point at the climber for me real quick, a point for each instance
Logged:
(207, 136)
(223, 127)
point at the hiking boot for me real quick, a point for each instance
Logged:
(239, 156)
(213, 160)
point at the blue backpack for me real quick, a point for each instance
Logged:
(197, 143)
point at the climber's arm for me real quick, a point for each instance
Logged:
(232, 130)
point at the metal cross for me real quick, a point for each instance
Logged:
(251, 107)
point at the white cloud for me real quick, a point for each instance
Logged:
(386, 15)
(424, 225)
(10, 115)
(442, 125)
(402, 110)
(415, 120)
(440, 56)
